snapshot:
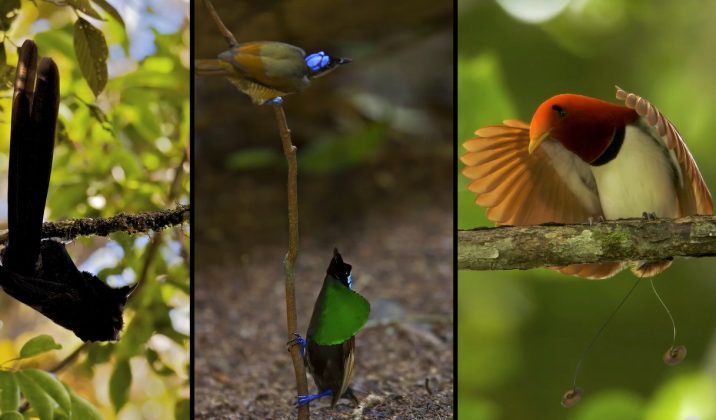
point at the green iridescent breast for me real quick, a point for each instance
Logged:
(338, 315)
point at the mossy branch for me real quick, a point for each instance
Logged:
(130, 223)
(525, 247)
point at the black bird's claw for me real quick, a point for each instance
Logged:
(649, 215)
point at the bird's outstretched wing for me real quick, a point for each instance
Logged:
(518, 188)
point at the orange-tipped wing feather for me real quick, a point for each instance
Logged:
(519, 188)
(522, 189)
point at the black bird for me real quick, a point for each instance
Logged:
(329, 347)
(38, 272)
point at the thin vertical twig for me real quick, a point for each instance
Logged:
(230, 39)
(289, 150)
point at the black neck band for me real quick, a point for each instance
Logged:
(612, 149)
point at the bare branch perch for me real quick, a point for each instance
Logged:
(130, 223)
(524, 247)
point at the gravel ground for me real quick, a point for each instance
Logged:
(394, 225)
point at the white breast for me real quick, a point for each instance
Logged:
(640, 179)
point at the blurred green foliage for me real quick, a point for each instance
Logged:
(120, 147)
(520, 334)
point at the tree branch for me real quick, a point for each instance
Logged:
(130, 223)
(524, 247)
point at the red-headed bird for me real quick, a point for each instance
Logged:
(581, 159)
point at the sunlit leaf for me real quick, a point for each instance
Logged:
(85, 7)
(52, 386)
(38, 345)
(182, 410)
(7, 15)
(9, 392)
(119, 384)
(110, 10)
(92, 52)
(39, 400)
(11, 415)
(81, 409)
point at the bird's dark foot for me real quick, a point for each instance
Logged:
(297, 341)
(350, 395)
(592, 220)
(305, 399)
(649, 215)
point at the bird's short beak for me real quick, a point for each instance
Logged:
(536, 140)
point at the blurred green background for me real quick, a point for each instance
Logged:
(522, 332)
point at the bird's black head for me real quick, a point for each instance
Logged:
(340, 270)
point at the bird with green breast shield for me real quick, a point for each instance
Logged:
(329, 347)
(268, 70)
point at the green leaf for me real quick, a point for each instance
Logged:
(38, 345)
(9, 392)
(36, 396)
(81, 409)
(99, 353)
(53, 387)
(85, 7)
(341, 313)
(182, 410)
(110, 10)
(119, 384)
(91, 50)
(11, 415)
(253, 159)
(7, 13)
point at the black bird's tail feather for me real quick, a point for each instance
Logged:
(34, 118)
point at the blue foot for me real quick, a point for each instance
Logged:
(299, 341)
(305, 399)
(275, 101)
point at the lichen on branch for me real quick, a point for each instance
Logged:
(525, 247)
(130, 223)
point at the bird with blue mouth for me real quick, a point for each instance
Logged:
(329, 347)
(268, 70)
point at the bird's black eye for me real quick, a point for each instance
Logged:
(562, 113)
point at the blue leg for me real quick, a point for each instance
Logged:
(275, 101)
(300, 341)
(305, 399)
